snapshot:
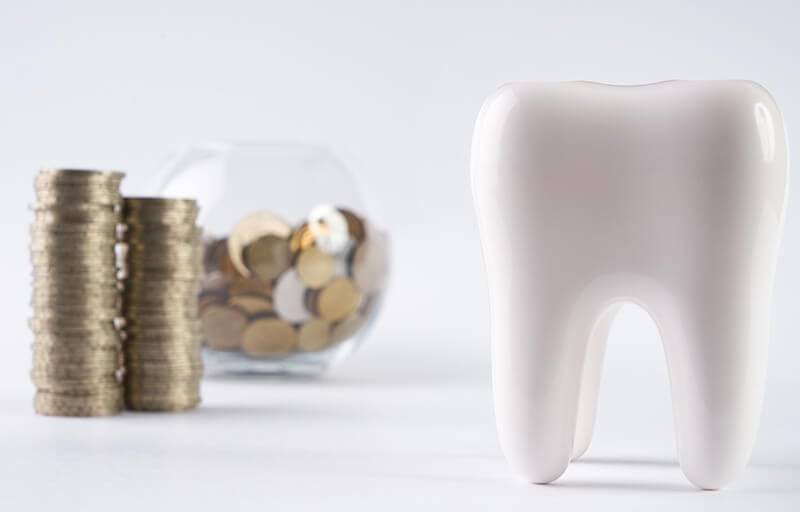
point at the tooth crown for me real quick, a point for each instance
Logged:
(669, 195)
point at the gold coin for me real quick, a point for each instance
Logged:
(160, 204)
(100, 390)
(338, 299)
(346, 328)
(266, 257)
(104, 249)
(313, 335)
(59, 198)
(168, 369)
(155, 234)
(62, 370)
(301, 239)
(252, 304)
(186, 383)
(45, 327)
(250, 285)
(89, 304)
(185, 274)
(315, 267)
(77, 230)
(169, 287)
(53, 404)
(105, 215)
(65, 259)
(185, 355)
(223, 326)
(155, 404)
(159, 210)
(64, 176)
(249, 229)
(268, 336)
(73, 384)
(172, 390)
(49, 352)
(105, 293)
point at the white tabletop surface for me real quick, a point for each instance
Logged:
(371, 436)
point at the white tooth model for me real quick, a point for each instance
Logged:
(670, 196)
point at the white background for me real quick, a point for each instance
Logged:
(394, 88)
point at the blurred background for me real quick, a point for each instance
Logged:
(394, 89)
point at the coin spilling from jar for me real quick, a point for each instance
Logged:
(272, 289)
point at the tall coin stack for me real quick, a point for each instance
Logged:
(163, 267)
(77, 350)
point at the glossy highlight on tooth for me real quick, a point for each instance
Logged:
(668, 195)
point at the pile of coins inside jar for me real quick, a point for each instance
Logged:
(272, 290)
(81, 349)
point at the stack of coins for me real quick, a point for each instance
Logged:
(77, 348)
(273, 290)
(163, 266)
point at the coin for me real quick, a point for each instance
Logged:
(301, 238)
(153, 404)
(248, 285)
(216, 257)
(345, 329)
(95, 384)
(268, 336)
(223, 326)
(54, 404)
(78, 176)
(288, 297)
(337, 299)
(252, 304)
(313, 335)
(266, 257)
(249, 229)
(46, 216)
(315, 267)
(48, 353)
(209, 300)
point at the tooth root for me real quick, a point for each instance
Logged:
(540, 352)
(590, 382)
(716, 357)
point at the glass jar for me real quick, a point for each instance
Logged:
(295, 269)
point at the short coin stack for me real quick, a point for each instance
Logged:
(77, 350)
(163, 266)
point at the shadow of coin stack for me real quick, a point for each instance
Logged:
(163, 266)
(75, 299)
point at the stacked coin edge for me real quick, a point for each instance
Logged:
(160, 285)
(75, 297)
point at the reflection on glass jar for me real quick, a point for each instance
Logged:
(295, 270)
